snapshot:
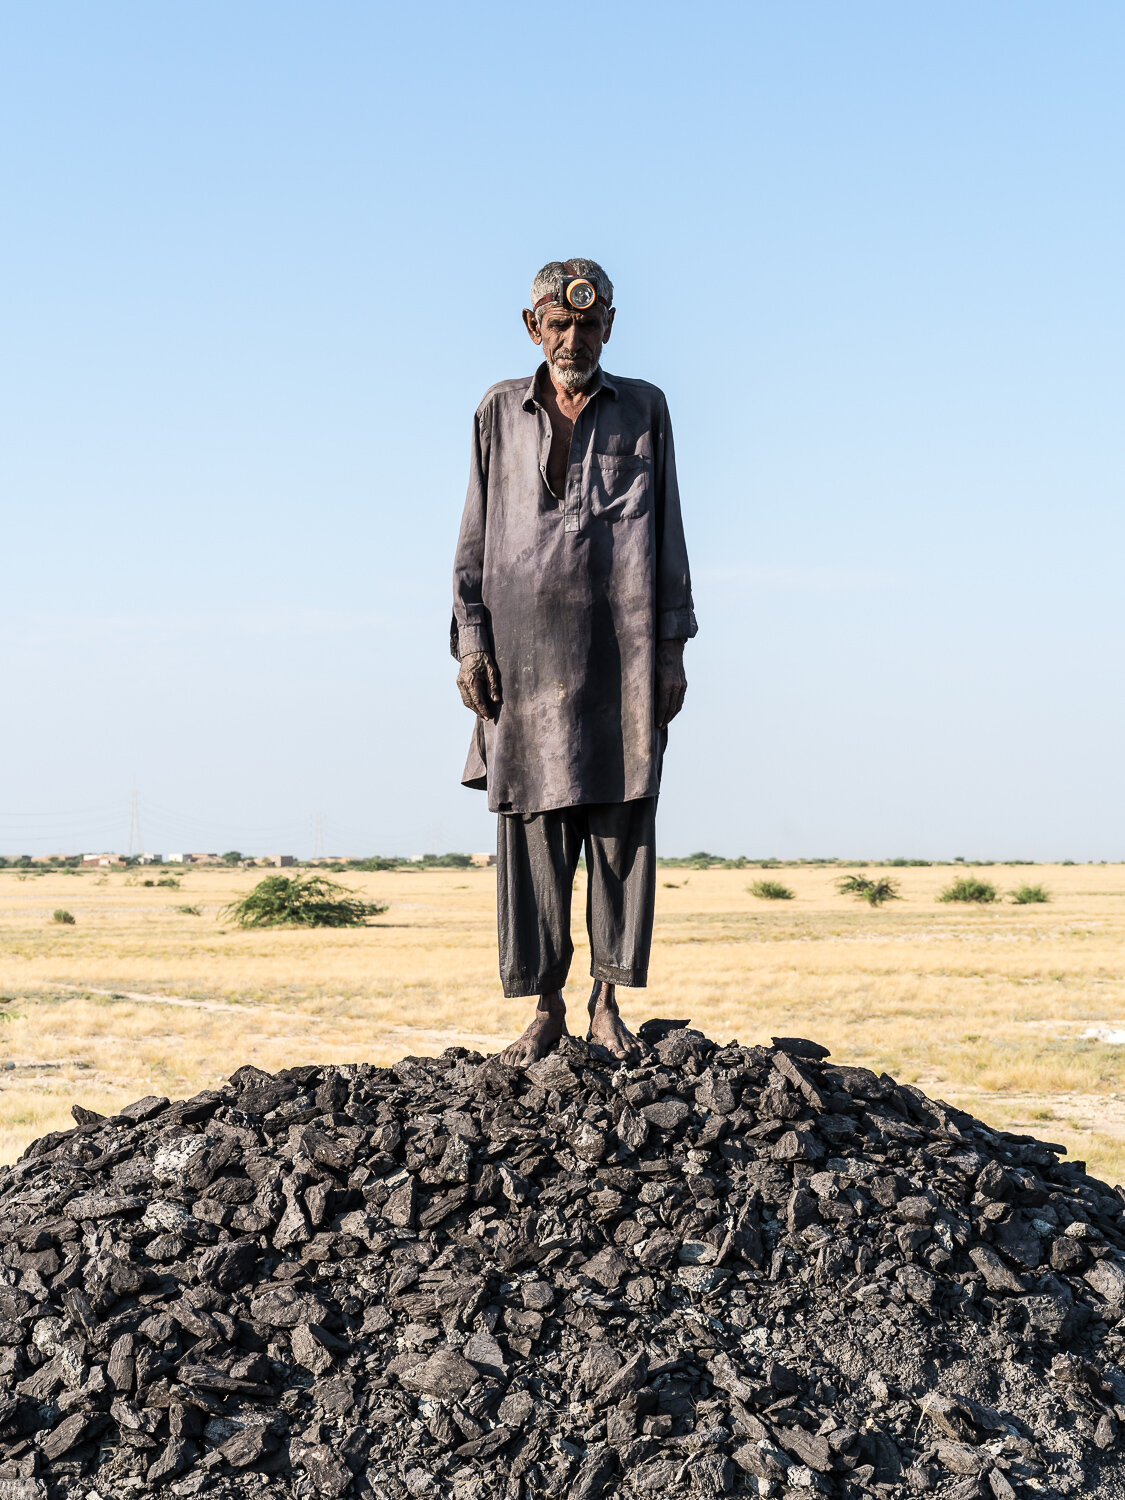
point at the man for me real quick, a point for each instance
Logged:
(571, 606)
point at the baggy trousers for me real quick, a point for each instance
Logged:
(536, 861)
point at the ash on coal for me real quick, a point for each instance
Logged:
(728, 1271)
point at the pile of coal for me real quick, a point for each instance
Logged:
(727, 1271)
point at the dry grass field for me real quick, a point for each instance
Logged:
(995, 1008)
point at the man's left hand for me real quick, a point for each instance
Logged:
(671, 684)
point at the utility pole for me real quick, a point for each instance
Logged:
(136, 843)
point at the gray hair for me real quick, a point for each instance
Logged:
(555, 274)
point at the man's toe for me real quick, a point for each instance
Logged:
(634, 1048)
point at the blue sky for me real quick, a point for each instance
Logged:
(261, 261)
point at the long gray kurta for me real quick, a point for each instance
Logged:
(571, 593)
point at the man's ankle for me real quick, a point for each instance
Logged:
(602, 997)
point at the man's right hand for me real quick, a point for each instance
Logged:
(478, 682)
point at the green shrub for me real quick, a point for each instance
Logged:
(969, 888)
(171, 881)
(874, 892)
(771, 890)
(63, 916)
(300, 901)
(189, 911)
(1025, 895)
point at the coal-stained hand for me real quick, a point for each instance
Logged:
(478, 682)
(671, 683)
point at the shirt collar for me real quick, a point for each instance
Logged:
(531, 398)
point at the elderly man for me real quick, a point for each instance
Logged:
(571, 606)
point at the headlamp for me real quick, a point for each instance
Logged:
(577, 292)
(580, 293)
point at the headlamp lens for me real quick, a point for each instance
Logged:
(581, 295)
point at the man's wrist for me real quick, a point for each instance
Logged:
(472, 640)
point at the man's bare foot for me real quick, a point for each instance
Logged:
(547, 1026)
(607, 1028)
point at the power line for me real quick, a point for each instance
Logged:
(77, 812)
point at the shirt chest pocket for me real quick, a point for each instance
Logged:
(620, 485)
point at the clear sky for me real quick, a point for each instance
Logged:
(260, 262)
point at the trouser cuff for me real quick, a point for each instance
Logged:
(635, 979)
(517, 986)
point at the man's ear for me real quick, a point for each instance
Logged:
(531, 325)
(608, 325)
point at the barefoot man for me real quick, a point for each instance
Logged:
(571, 606)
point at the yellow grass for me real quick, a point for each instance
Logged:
(985, 1007)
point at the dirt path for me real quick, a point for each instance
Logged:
(150, 999)
(424, 1039)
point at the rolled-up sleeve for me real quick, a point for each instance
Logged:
(471, 628)
(675, 613)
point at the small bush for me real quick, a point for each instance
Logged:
(771, 890)
(63, 916)
(189, 911)
(1025, 895)
(171, 881)
(874, 892)
(969, 888)
(296, 901)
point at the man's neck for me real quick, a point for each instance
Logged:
(566, 402)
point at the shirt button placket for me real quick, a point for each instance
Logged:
(573, 500)
(571, 512)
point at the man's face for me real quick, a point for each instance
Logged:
(571, 341)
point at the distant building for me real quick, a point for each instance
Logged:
(279, 861)
(178, 859)
(150, 859)
(482, 861)
(104, 859)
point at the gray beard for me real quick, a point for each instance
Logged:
(572, 377)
